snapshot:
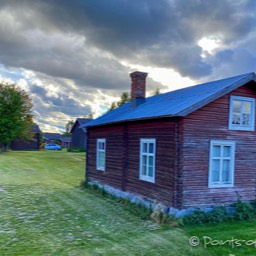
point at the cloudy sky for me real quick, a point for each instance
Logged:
(74, 57)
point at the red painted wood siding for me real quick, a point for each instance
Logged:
(211, 123)
(163, 188)
(123, 158)
(114, 155)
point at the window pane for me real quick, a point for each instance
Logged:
(144, 170)
(144, 160)
(101, 158)
(226, 177)
(151, 148)
(236, 118)
(246, 119)
(236, 106)
(145, 148)
(150, 160)
(150, 171)
(215, 170)
(216, 176)
(226, 151)
(101, 145)
(226, 171)
(247, 107)
(226, 165)
(216, 151)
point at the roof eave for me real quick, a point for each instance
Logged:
(221, 93)
(132, 120)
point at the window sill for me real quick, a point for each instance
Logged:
(240, 128)
(221, 186)
(101, 169)
(148, 179)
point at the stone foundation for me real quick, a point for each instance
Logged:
(139, 200)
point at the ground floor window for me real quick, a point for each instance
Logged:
(221, 166)
(147, 159)
(101, 154)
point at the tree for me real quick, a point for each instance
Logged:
(69, 126)
(156, 92)
(112, 107)
(89, 116)
(16, 116)
(124, 98)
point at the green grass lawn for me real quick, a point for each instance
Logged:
(43, 211)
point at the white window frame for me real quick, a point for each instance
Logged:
(147, 154)
(231, 158)
(99, 150)
(250, 127)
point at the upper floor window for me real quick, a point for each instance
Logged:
(101, 154)
(147, 159)
(241, 113)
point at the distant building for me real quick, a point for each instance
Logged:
(64, 141)
(79, 133)
(52, 137)
(33, 144)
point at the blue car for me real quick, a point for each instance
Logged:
(52, 147)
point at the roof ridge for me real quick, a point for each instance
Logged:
(178, 102)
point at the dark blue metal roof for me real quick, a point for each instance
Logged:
(81, 123)
(175, 103)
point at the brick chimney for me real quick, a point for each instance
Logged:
(138, 88)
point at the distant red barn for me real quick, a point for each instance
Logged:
(33, 144)
(193, 147)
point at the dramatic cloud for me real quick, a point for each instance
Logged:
(74, 57)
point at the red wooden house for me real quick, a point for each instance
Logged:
(193, 147)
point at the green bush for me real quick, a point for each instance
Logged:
(218, 214)
(244, 211)
(197, 217)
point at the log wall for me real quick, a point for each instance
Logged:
(123, 158)
(211, 123)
